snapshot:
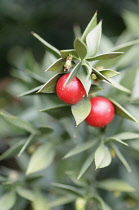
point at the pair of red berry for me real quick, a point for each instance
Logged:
(102, 110)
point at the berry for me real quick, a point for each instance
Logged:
(71, 93)
(102, 112)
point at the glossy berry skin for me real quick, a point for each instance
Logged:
(71, 93)
(102, 112)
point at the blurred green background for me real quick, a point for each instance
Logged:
(53, 20)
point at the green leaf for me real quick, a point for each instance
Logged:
(72, 74)
(115, 139)
(41, 158)
(17, 122)
(59, 111)
(48, 46)
(102, 203)
(25, 193)
(81, 110)
(50, 86)
(118, 86)
(62, 201)
(45, 130)
(86, 164)
(7, 200)
(66, 53)
(27, 143)
(57, 66)
(126, 136)
(90, 26)
(102, 156)
(121, 157)
(40, 202)
(13, 150)
(80, 148)
(80, 48)
(93, 40)
(122, 111)
(99, 75)
(32, 91)
(69, 189)
(109, 73)
(94, 88)
(84, 78)
(105, 56)
(115, 185)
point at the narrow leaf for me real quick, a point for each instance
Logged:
(86, 164)
(25, 193)
(105, 56)
(121, 157)
(48, 46)
(40, 202)
(109, 73)
(66, 53)
(102, 203)
(94, 88)
(116, 139)
(126, 136)
(84, 78)
(118, 86)
(122, 111)
(27, 143)
(68, 189)
(41, 158)
(32, 91)
(98, 73)
(80, 48)
(73, 73)
(90, 26)
(81, 110)
(17, 122)
(115, 185)
(7, 201)
(13, 150)
(93, 40)
(80, 148)
(57, 66)
(102, 156)
(50, 86)
(62, 201)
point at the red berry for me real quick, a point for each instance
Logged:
(102, 112)
(71, 93)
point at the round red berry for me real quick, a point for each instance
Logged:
(71, 93)
(102, 112)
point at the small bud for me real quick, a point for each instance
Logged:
(93, 76)
(67, 65)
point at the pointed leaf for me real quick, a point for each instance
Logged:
(57, 66)
(66, 53)
(102, 156)
(32, 91)
(86, 164)
(7, 201)
(99, 75)
(41, 158)
(50, 86)
(27, 143)
(94, 88)
(13, 150)
(90, 26)
(102, 203)
(93, 40)
(126, 135)
(81, 110)
(105, 56)
(109, 73)
(84, 78)
(17, 122)
(121, 157)
(118, 86)
(122, 111)
(80, 148)
(69, 189)
(116, 139)
(48, 46)
(115, 185)
(73, 73)
(25, 193)
(80, 48)
(59, 111)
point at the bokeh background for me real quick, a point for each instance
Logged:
(54, 20)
